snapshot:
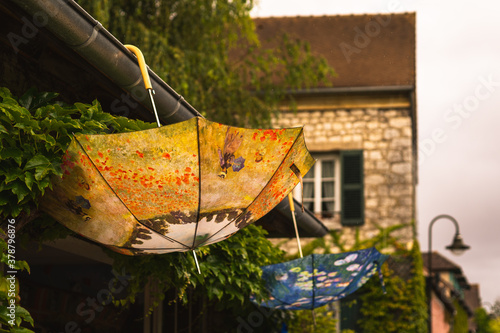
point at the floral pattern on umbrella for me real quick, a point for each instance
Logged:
(318, 279)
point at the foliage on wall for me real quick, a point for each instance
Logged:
(324, 320)
(404, 307)
(483, 321)
(460, 320)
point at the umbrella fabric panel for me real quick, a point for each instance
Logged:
(316, 280)
(155, 173)
(84, 201)
(281, 183)
(237, 163)
(254, 189)
(159, 165)
(87, 204)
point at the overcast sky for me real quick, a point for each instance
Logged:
(458, 105)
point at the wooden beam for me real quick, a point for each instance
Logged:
(348, 101)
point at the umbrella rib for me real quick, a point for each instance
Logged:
(152, 248)
(199, 184)
(112, 190)
(246, 209)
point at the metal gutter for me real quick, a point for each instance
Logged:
(80, 31)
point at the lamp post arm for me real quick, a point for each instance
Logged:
(457, 231)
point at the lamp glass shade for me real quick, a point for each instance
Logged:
(458, 247)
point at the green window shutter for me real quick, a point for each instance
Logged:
(353, 202)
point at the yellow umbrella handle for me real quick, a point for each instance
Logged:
(145, 77)
(142, 65)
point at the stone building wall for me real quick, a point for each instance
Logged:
(385, 136)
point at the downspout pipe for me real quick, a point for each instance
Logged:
(86, 36)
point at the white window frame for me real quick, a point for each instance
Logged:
(297, 193)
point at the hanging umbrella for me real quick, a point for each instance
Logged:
(319, 279)
(176, 187)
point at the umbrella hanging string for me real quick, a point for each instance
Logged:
(292, 209)
(196, 261)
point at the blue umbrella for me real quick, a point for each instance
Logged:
(318, 279)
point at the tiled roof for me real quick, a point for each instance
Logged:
(473, 301)
(364, 50)
(440, 263)
(472, 297)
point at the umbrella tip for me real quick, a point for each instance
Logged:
(196, 261)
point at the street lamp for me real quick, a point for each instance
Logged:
(457, 247)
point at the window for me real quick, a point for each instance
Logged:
(322, 186)
(335, 185)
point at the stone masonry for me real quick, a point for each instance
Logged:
(385, 136)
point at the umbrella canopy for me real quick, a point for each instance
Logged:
(177, 187)
(318, 279)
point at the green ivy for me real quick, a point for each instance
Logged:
(460, 320)
(483, 321)
(323, 322)
(403, 308)
(336, 241)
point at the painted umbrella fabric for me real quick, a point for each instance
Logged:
(318, 279)
(177, 187)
